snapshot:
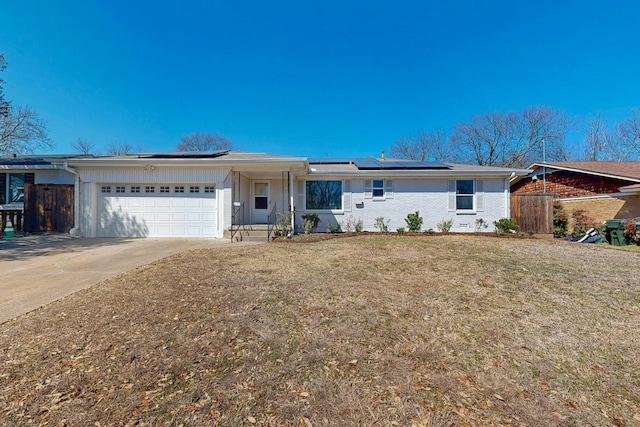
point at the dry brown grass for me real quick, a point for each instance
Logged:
(373, 330)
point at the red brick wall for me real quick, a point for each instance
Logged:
(570, 184)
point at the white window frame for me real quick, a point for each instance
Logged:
(477, 196)
(370, 189)
(342, 196)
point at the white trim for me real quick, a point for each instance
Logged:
(597, 196)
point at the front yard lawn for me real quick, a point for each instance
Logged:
(373, 330)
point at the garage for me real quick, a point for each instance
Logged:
(157, 210)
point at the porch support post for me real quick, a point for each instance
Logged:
(291, 207)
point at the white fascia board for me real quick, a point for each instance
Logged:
(416, 174)
(190, 163)
(31, 167)
(583, 171)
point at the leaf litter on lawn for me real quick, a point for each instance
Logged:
(370, 330)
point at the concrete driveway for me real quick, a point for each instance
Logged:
(37, 270)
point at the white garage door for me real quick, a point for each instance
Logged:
(160, 210)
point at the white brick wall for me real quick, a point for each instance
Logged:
(428, 196)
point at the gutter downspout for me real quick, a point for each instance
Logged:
(76, 199)
(507, 195)
(291, 207)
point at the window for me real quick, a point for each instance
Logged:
(378, 188)
(323, 195)
(178, 189)
(12, 186)
(164, 189)
(194, 189)
(464, 194)
(120, 189)
(149, 189)
(209, 189)
(106, 189)
(135, 189)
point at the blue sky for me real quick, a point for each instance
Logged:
(310, 78)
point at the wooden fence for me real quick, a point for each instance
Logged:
(48, 208)
(533, 212)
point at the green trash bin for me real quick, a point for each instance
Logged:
(615, 227)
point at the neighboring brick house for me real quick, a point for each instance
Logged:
(604, 190)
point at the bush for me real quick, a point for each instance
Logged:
(310, 222)
(284, 223)
(381, 224)
(581, 223)
(631, 232)
(414, 222)
(444, 226)
(400, 230)
(505, 225)
(352, 224)
(560, 221)
(481, 224)
(333, 227)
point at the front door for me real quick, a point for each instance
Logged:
(260, 202)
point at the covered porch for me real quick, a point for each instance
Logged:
(260, 198)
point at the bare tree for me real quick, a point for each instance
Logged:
(4, 105)
(512, 139)
(22, 131)
(598, 139)
(627, 132)
(204, 141)
(83, 146)
(121, 149)
(422, 146)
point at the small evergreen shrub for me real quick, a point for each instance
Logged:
(560, 221)
(284, 223)
(333, 227)
(400, 230)
(505, 225)
(444, 226)
(414, 222)
(310, 222)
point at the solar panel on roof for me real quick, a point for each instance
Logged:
(185, 154)
(375, 164)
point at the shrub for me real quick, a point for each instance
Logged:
(284, 223)
(560, 221)
(505, 225)
(631, 232)
(444, 226)
(310, 222)
(582, 223)
(430, 231)
(414, 222)
(333, 227)
(400, 230)
(481, 224)
(381, 224)
(352, 224)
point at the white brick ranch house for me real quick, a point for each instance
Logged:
(192, 194)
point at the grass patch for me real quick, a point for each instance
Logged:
(370, 330)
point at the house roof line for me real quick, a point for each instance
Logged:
(561, 166)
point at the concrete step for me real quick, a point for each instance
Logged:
(250, 233)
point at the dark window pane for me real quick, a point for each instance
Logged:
(323, 195)
(464, 186)
(378, 192)
(261, 202)
(464, 202)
